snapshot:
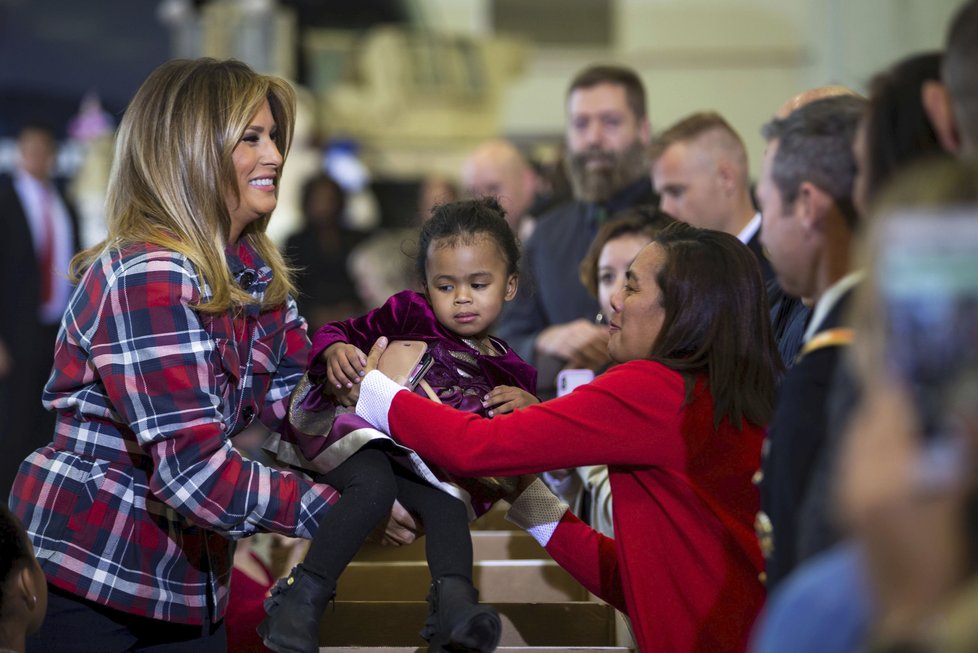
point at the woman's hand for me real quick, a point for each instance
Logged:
(344, 396)
(522, 483)
(373, 358)
(399, 529)
(506, 399)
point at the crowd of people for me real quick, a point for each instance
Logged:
(770, 446)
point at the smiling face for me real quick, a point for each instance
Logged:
(616, 256)
(467, 282)
(257, 164)
(638, 311)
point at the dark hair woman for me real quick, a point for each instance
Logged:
(679, 422)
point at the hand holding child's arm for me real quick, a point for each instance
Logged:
(344, 364)
(506, 399)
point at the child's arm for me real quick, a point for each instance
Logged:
(344, 368)
(337, 347)
(506, 398)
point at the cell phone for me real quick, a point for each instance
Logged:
(405, 362)
(928, 287)
(567, 380)
(928, 284)
(419, 371)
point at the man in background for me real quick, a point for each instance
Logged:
(551, 322)
(701, 174)
(497, 169)
(38, 237)
(809, 225)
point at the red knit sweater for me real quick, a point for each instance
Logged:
(684, 564)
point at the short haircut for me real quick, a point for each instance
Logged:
(639, 220)
(960, 70)
(815, 145)
(618, 75)
(37, 127)
(697, 125)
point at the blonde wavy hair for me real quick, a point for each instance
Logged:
(173, 171)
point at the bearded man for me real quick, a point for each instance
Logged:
(551, 322)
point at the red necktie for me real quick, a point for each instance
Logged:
(45, 258)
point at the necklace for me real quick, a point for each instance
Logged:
(486, 348)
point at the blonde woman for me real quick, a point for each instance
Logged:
(181, 333)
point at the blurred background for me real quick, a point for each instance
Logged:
(397, 91)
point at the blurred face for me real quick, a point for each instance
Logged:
(600, 120)
(467, 284)
(322, 205)
(689, 187)
(37, 153)
(434, 191)
(616, 256)
(638, 312)
(605, 141)
(782, 232)
(257, 164)
(511, 185)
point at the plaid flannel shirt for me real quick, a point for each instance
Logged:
(136, 500)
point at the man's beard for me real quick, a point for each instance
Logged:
(599, 184)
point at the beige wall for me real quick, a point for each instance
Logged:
(739, 57)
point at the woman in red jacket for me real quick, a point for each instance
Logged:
(679, 422)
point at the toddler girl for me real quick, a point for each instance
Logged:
(467, 261)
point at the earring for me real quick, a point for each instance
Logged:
(33, 601)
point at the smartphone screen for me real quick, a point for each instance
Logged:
(419, 371)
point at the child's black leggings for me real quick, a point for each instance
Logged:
(368, 482)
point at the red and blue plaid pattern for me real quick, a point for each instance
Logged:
(136, 500)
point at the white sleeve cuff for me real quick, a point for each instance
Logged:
(537, 511)
(376, 396)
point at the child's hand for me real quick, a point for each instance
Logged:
(344, 365)
(345, 396)
(506, 399)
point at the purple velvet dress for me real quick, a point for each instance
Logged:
(327, 434)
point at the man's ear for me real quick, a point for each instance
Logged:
(512, 285)
(940, 111)
(727, 175)
(645, 131)
(812, 206)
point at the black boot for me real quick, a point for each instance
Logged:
(456, 621)
(294, 610)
